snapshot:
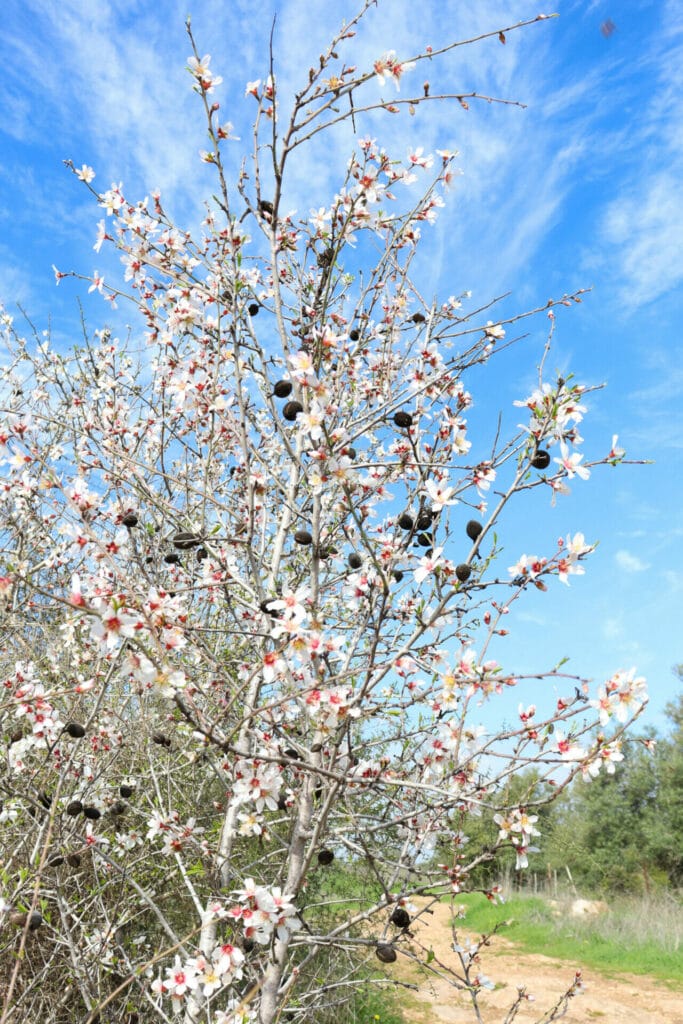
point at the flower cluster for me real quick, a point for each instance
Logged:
(622, 696)
(205, 975)
(264, 911)
(519, 827)
(174, 835)
(32, 706)
(328, 708)
(564, 564)
(257, 783)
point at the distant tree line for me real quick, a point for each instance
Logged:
(618, 833)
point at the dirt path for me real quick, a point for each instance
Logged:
(626, 999)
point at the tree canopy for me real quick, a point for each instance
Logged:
(250, 573)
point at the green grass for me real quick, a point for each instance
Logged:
(635, 936)
(376, 1005)
(342, 889)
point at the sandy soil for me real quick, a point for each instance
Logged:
(623, 999)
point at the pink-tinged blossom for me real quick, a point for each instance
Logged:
(570, 463)
(522, 860)
(102, 236)
(207, 977)
(176, 836)
(257, 782)
(267, 910)
(611, 755)
(427, 565)
(158, 825)
(526, 714)
(319, 219)
(113, 623)
(439, 495)
(292, 604)
(416, 159)
(555, 410)
(528, 565)
(112, 200)
(127, 841)
(616, 454)
(328, 708)
(567, 747)
(92, 838)
(199, 69)
(301, 364)
(387, 67)
(76, 597)
(573, 549)
(273, 666)
(82, 496)
(312, 421)
(97, 283)
(225, 131)
(604, 704)
(228, 959)
(252, 88)
(483, 477)
(179, 981)
(402, 175)
(628, 693)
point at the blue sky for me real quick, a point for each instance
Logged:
(580, 189)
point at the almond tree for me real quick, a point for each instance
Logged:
(250, 579)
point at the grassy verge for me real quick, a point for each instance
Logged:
(376, 1005)
(635, 936)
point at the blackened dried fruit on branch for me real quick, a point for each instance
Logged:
(185, 541)
(400, 917)
(473, 529)
(541, 459)
(403, 419)
(292, 410)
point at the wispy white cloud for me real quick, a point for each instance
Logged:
(629, 562)
(641, 227)
(113, 91)
(119, 81)
(657, 401)
(673, 580)
(645, 230)
(613, 628)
